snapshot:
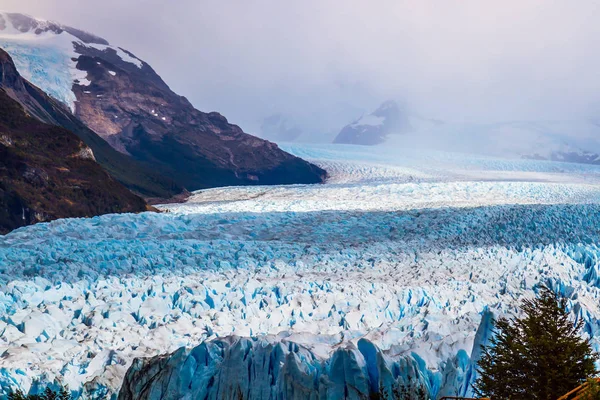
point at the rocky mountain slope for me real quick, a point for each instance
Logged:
(47, 172)
(135, 175)
(122, 99)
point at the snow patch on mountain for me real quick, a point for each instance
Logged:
(47, 62)
(373, 128)
(368, 120)
(47, 57)
(123, 55)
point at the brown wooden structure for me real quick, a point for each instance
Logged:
(578, 393)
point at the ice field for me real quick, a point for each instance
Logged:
(387, 272)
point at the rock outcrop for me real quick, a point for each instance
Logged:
(140, 178)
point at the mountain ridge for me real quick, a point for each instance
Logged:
(124, 101)
(133, 174)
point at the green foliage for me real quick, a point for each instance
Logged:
(62, 394)
(409, 391)
(592, 390)
(539, 356)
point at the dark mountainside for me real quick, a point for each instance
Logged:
(47, 172)
(142, 179)
(132, 108)
(137, 113)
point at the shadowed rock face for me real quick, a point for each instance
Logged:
(46, 171)
(139, 178)
(127, 103)
(137, 113)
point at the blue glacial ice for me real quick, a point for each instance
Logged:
(389, 278)
(49, 60)
(48, 67)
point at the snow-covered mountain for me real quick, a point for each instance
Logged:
(122, 99)
(389, 274)
(374, 128)
(390, 270)
(565, 141)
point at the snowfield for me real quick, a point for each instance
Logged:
(400, 254)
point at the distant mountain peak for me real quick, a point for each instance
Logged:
(280, 128)
(373, 128)
(24, 23)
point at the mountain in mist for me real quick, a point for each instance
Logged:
(564, 141)
(122, 99)
(375, 127)
(280, 128)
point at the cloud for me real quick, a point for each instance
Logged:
(323, 62)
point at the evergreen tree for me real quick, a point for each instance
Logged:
(539, 356)
(48, 394)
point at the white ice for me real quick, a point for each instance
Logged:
(405, 249)
(49, 61)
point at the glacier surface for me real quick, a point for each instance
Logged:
(393, 269)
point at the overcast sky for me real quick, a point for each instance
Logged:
(323, 61)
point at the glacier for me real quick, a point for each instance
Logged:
(389, 273)
(48, 58)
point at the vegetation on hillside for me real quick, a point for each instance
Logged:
(46, 172)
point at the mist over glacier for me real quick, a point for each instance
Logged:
(395, 259)
(324, 65)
